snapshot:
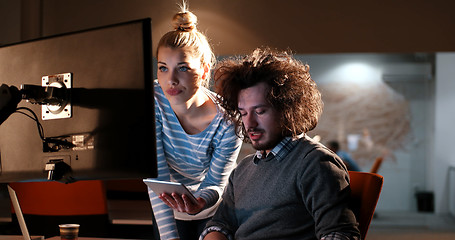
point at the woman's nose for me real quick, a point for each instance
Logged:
(173, 79)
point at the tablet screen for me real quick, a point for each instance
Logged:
(160, 187)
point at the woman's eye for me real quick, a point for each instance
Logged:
(162, 69)
(183, 69)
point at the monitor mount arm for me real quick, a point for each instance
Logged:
(55, 97)
(9, 98)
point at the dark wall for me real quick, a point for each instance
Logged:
(305, 26)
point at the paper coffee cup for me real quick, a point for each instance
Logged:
(69, 231)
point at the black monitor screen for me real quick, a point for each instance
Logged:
(102, 126)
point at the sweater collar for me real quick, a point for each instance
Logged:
(279, 151)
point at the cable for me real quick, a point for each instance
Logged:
(50, 144)
(35, 118)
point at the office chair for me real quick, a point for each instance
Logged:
(47, 204)
(365, 191)
(377, 164)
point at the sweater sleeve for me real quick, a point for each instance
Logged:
(224, 218)
(325, 191)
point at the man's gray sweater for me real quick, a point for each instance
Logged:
(303, 196)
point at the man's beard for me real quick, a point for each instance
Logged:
(268, 145)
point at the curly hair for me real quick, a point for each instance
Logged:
(292, 91)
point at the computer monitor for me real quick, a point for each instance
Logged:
(105, 127)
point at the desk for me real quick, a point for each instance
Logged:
(20, 237)
(130, 212)
(88, 238)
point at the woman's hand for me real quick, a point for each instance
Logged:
(182, 203)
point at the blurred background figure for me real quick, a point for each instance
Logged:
(346, 157)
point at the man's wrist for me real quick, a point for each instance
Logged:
(215, 229)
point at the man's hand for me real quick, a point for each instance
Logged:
(182, 203)
(215, 236)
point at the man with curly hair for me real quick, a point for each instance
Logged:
(293, 187)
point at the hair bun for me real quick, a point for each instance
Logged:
(184, 21)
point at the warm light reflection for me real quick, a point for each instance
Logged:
(360, 73)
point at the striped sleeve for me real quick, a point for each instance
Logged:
(164, 215)
(223, 161)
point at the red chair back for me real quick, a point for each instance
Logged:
(376, 165)
(59, 199)
(365, 190)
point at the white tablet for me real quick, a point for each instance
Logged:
(169, 187)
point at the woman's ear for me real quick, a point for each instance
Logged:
(206, 71)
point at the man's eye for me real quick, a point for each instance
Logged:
(260, 112)
(242, 114)
(162, 69)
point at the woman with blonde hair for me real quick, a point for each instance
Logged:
(196, 146)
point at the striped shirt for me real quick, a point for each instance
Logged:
(201, 161)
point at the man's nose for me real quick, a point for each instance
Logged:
(250, 121)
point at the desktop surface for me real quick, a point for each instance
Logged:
(89, 238)
(20, 237)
